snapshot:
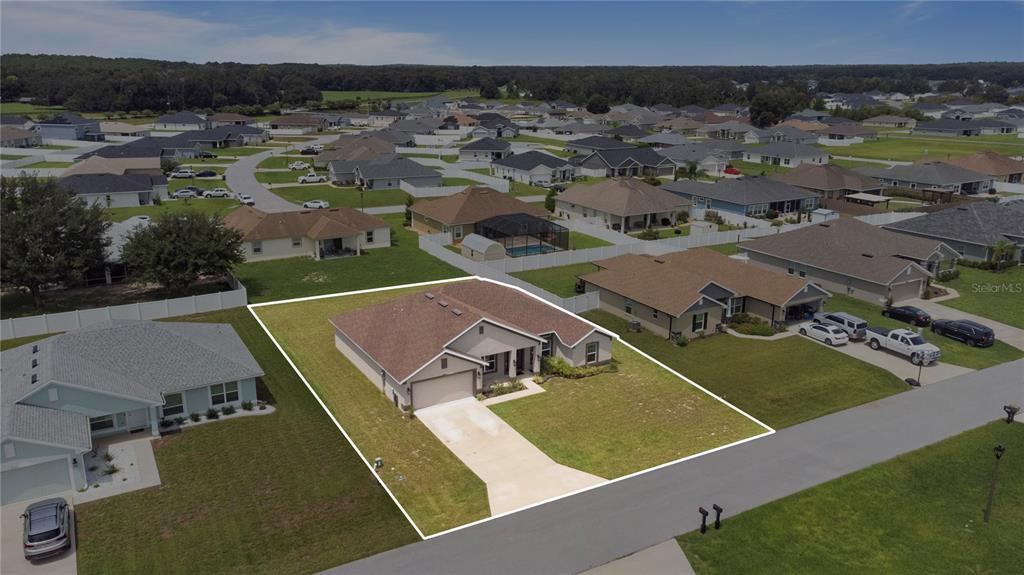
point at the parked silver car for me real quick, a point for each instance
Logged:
(854, 327)
(48, 528)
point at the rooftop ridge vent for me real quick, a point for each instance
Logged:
(457, 311)
(868, 255)
(429, 295)
(442, 303)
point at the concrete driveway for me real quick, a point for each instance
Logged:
(517, 474)
(1006, 333)
(12, 557)
(897, 364)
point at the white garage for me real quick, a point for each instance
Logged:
(34, 481)
(907, 290)
(442, 389)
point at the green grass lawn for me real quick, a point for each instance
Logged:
(208, 205)
(11, 157)
(754, 169)
(851, 164)
(253, 495)
(35, 109)
(281, 162)
(45, 164)
(561, 153)
(560, 280)
(917, 513)
(953, 351)
(727, 249)
(781, 382)
(459, 182)
(289, 177)
(18, 303)
(481, 171)
(437, 490)
(348, 197)
(990, 294)
(625, 421)
(519, 189)
(581, 241)
(242, 151)
(667, 232)
(404, 262)
(16, 341)
(537, 140)
(908, 149)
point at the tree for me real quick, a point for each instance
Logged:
(408, 210)
(47, 235)
(489, 90)
(598, 104)
(176, 249)
(549, 200)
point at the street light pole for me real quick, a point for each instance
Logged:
(999, 450)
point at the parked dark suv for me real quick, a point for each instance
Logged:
(970, 332)
(48, 528)
(908, 313)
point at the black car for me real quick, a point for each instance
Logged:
(205, 154)
(970, 332)
(909, 314)
(308, 152)
(206, 174)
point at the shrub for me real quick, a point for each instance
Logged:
(743, 317)
(228, 409)
(194, 416)
(179, 420)
(166, 423)
(681, 341)
(247, 405)
(682, 218)
(556, 366)
(107, 456)
(771, 214)
(949, 275)
(212, 414)
(111, 469)
(648, 234)
(505, 388)
(777, 223)
(761, 329)
(713, 217)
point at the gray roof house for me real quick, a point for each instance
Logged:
(750, 196)
(596, 143)
(116, 190)
(533, 168)
(181, 121)
(392, 173)
(971, 228)
(638, 162)
(665, 140)
(69, 126)
(108, 378)
(485, 150)
(931, 176)
(699, 154)
(785, 154)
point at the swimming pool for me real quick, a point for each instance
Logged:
(530, 250)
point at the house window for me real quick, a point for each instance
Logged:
(736, 305)
(224, 393)
(369, 236)
(592, 348)
(174, 404)
(545, 346)
(492, 363)
(785, 161)
(480, 329)
(654, 313)
(444, 363)
(101, 423)
(700, 321)
(628, 305)
(257, 247)
(457, 232)
(789, 271)
(803, 273)
(296, 242)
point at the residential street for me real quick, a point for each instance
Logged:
(592, 528)
(241, 178)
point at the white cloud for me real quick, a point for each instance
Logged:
(107, 29)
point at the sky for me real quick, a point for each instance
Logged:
(522, 33)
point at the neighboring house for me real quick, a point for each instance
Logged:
(14, 121)
(1001, 168)
(693, 292)
(298, 123)
(810, 115)
(730, 130)
(354, 148)
(842, 134)
(954, 127)
(889, 121)
(731, 149)
(750, 196)
(533, 168)
(128, 165)
(13, 137)
(182, 121)
(803, 125)
(458, 120)
(69, 126)
(729, 110)
(780, 134)
(485, 150)
(665, 140)
(384, 118)
(627, 133)
(851, 257)
(829, 180)
(422, 126)
(116, 191)
(930, 110)
(113, 377)
(972, 228)
(707, 160)
(390, 172)
(931, 176)
(681, 125)
(230, 119)
(632, 162)
(229, 136)
(456, 340)
(785, 154)
(622, 204)
(574, 128)
(590, 144)
(494, 125)
(320, 234)
(124, 129)
(458, 214)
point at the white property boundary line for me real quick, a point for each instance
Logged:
(615, 336)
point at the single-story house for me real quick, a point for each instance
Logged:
(749, 196)
(851, 257)
(128, 165)
(931, 176)
(829, 180)
(665, 140)
(622, 204)
(458, 214)
(230, 119)
(182, 121)
(124, 129)
(627, 132)
(114, 268)
(13, 137)
(298, 123)
(698, 154)
(62, 391)
(972, 228)
(785, 154)
(485, 150)
(637, 162)
(354, 148)
(731, 149)
(69, 126)
(533, 168)
(693, 292)
(596, 143)
(114, 190)
(680, 125)
(968, 127)
(890, 121)
(387, 172)
(1001, 168)
(320, 234)
(455, 340)
(227, 136)
(846, 133)
(780, 134)
(730, 130)
(384, 118)
(574, 128)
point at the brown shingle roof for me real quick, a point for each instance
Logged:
(623, 197)
(474, 204)
(14, 133)
(298, 120)
(256, 224)
(827, 177)
(987, 162)
(356, 148)
(404, 333)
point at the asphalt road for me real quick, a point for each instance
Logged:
(592, 528)
(241, 178)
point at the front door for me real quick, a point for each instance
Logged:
(138, 419)
(520, 358)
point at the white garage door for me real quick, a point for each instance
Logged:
(34, 481)
(441, 389)
(907, 290)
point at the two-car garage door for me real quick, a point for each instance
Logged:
(34, 481)
(441, 389)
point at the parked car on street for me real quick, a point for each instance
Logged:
(312, 178)
(48, 528)
(246, 199)
(904, 342)
(298, 166)
(970, 332)
(185, 193)
(182, 173)
(853, 326)
(206, 174)
(217, 193)
(909, 314)
(829, 334)
(316, 204)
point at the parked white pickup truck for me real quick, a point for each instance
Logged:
(904, 342)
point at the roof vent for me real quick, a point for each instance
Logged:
(429, 295)
(442, 303)
(868, 255)
(457, 311)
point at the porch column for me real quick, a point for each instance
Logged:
(154, 421)
(510, 364)
(359, 241)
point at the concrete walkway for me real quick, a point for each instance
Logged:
(1005, 333)
(517, 474)
(595, 527)
(663, 559)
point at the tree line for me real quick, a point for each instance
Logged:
(92, 84)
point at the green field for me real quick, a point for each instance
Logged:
(280, 162)
(560, 280)
(459, 182)
(242, 151)
(918, 513)
(990, 294)
(581, 241)
(207, 205)
(46, 165)
(347, 197)
(910, 148)
(481, 171)
(289, 177)
(29, 109)
(753, 169)
(335, 95)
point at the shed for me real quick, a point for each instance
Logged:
(481, 249)
(866, 199)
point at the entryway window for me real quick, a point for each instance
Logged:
(224, 393)
(628, 306)
(492, 363)
(369, 236)
(173, 404)
(592, 348)
(736, 305)
(700, 321)
(101, 423)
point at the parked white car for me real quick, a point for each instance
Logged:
(217, 193)
(829, 334)
(316, 204)
(317, 147)
(246, 199)
(298, 166)
(854, 327)
(312, 178)
(182, 173)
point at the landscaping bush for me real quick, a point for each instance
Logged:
(194, 416)
(179, 420)
(761, 329)
(111, 469)
(777, 223)
(771, 215)
(648, 234)
(212, 414)
(949, 275)
(681, 341)
(503, 389)
(228, 409)
(166, 423)
(713, 217)
(558, 367)
(743, 317)
(247, 405)
(682, 218)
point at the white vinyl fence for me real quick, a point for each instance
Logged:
(429, 192)
(1007, 187)
(66, 321)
